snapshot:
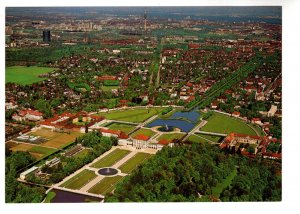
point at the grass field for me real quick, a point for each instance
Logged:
(111, 158)
(79, 180)
(37, 152)
(217, 190)
(56, 139)
(42, 150)
(49, 197)
(21, 147)
(170, 136)
(45, 133)
(82, 153)
(37, 155)
(106, 185)
(146, 132)
(210, 137)
(109, 88)
(25, 75)
(133, 162)
(223, 124)
(121, 126)
(131, 115)
(196, 139)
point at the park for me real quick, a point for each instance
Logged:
(220, 123)
(88, 180)
(124, 159)
(25, 75)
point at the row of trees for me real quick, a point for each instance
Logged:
(218, 88)
(191, 172)
(44, 55)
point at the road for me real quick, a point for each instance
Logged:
(212, 133)
(196, 128)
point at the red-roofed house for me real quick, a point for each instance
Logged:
(214, 105)
(256, 120)
(235, 141)
(29, 114)
(103, 78)
(140, 141)
(236, 114)
(193, 46)
(189, 84)
(191, 98)
(164, 142)
(113, 133)
(123, 103)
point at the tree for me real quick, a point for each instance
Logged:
(183, 172)
(14, 191)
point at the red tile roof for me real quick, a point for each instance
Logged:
(236, 113)
(190, 98)
(35, 113)
(23, 113)
(116, 132)
(164, 142)
(194, 46)
(121, 134)
(102, 78)
(189, 84)
(141, 137)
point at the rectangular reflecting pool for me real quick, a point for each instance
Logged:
(70, 197)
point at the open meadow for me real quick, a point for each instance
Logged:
(136, 115)
(56, 139)
(25, 75)
(220, 123)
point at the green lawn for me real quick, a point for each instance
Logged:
(49, 197)
(121, 126)
(109, 88)
(42, 150)
(217, 190)
(170, 136)
(82, 153)
(133, 162)
(224, 124)
(196, 139)
(111, 158)
(79, 180)
(25, 75)
(106, 185)
(146, 132)
(137, 115)
(210, 137)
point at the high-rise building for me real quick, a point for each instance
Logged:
(46, 36)
(145, 21)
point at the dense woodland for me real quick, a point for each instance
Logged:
(200, 172)
(16, 192)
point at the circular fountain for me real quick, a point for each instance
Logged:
(166, 128)
(108, 171)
